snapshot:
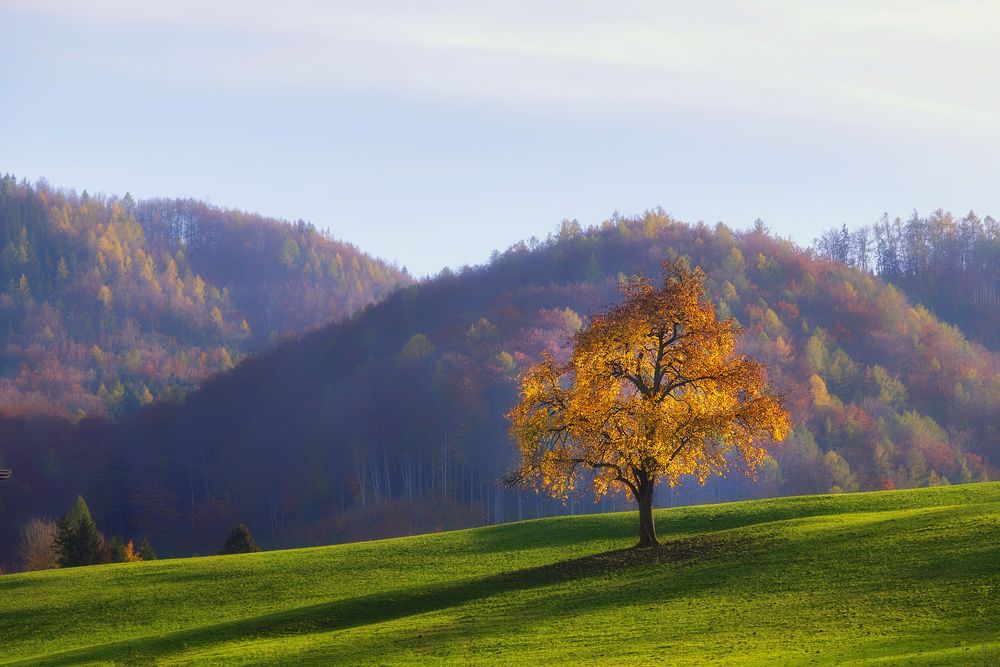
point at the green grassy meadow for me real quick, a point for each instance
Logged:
(894, 577)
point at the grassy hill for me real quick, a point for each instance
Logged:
(899, 576)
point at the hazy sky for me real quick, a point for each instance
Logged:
(430, 133)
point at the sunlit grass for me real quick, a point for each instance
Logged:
(911, 576)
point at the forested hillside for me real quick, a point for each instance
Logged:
(951, 266)
(393, 421)
(108, 304)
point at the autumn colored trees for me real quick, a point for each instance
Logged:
(73, 541)
(108, 304)
(653, 390)
(952, 265)
(298, 441)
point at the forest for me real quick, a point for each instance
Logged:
(109, 304)
(950, 265)
(391, 421)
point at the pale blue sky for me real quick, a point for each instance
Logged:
(431, 133)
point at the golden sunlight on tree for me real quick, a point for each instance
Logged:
(653, 390)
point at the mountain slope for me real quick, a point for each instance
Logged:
(109, 304)
(392, 422)
(902, 576)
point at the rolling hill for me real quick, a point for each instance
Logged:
(866, 578)
(391, 422)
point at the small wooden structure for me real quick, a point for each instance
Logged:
(4, 474)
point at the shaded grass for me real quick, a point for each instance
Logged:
(898, 576)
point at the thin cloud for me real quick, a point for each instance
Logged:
(880, 64)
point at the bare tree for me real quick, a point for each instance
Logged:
(37, 548)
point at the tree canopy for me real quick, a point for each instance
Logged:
(653, 390)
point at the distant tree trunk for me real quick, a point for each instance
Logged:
(647, 529)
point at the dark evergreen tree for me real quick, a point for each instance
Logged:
(146, 550)
(117, 549)
(240, 541)
(78, 540)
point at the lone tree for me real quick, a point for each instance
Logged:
(653, 390)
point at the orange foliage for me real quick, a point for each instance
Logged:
(653, 390)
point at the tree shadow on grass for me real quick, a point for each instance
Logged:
(819, 573)
(392, 605)
(570, 530)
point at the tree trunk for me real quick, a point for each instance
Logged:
(647, 529)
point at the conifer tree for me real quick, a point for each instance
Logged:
(146, 550)
(78, 540)
(240, 541)
(117, 549)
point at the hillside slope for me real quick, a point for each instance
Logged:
(868, 578)
(107, 304)
(949, 264)
(392, 422)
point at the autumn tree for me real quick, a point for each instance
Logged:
(653, 390)
(122, 551)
